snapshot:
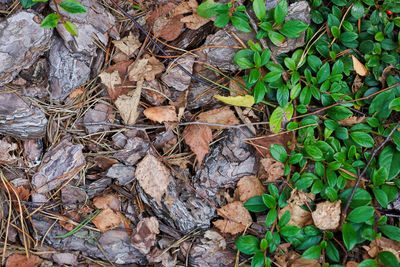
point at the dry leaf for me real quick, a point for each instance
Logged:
(146, 68)
(161, 114)
(271, 169)
(327, 215)
(5, 149)
(153, 177)
(194, 21)
(383, 244)
(248, 187)
(352, 264)
(165, 23)
(18, 260)
(76, 92)
(385, 73)
(128, 105)
(294, 259)
(357, 84)
(240, 101)
(239, 218)
(67, 225)
(107, 201)
(186, 7)
(128, 45)
(120, 89)
(263, 143)
(198, 137)
(110, 79)
(145, 236)
(359, 67)
(106, 220)
(300, 198)
(298, 216)
(350, 121)
(222, 115)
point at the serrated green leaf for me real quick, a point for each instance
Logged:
(387, 258)
(289, 230)
(241, 24)
(278, 152)
(275, 37)
(368, 263)
(207, 9)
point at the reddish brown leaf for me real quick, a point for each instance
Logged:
(198, 137)
(161, 114)
(18, 260)
(222, 115)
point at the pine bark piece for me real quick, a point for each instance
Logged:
(62, 161)
(22, 41)
(20, 118)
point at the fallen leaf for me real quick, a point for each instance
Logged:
(153, 177)
(263, 143)
(327, 215)
(194, 21)
(128, 105)
(222, 115)
(125, 85)
(298, 216)
(198, 138)
(161, 114)
(110, 79)
(241, 101)
(271, 169)
(67, 225)
(76, 92)
(185, 7)
(128, 45)
(146, 68)
(383, 244)
(350, 121)
(294, 259)
(359, 67)
(352, 264)
(145, 236)
(300, 198)
(107, 201)
(300, 262)
(137, 70)
(23, 193)
(17, 260)
(106, 220)
(357, 84)
(248, 187)
(385, 73)
(239, 218)
(165, 23)
(6, 148)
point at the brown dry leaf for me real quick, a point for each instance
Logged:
(271, 169)
(239, 218)
(128, 105)
(352, 264)
(300, 262)
(165, 23)
(263, 143)
(298, 216)
(198, 138)
(359, 67)
(146, 68)
(18, 260)
(300, 198)
(67, 225)
(153, 177)
(383, 244)
(161, 114)
(23, 193)
(107, 219)
(327, 215)
(294, 259)
(120, 89)
(5, 149)
(128, 45)
(350, 121)
(222, 115)
(110, 79)
(76, 92)
(107, 201)
(185, 7)
(248, 187)
(137, 70)
(145, 236)
(385, 74)
(357, 84)
(194, 21)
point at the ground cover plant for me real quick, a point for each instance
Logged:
(340, 94)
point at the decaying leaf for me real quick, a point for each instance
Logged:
(194, 21)
(128, 45)
(222, 115)
(357, 84)
(248, 187)
(239, 218)
(109, 217)
(76, 92)
(359, 67)
(240, 101)
(145, 236)
(198, 138)
(270, 168)
(300, 198)
(292, 258)
(350, 121)
(5, 149)
(327, 215)
(153, 177)
(122, 86)
(161, 114)
(263, 143)
(383, 244)
(298, 216)
(17, 260)
(385, 73)
(146, 68)
(110, 79)
(128, 105)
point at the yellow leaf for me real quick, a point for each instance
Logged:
(241, 101)
(359, 67)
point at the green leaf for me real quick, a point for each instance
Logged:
(388, 159)
(271, 217)
(349, 236)
(284, 219)
(290, 64)
(361, 214)
(255, 204)
(361, 197)
(254, 76)
(222, 20)
(247, 244)
(363, 139)
(265, 57)
(278, 152)
(323, 73)
(332, 252)
(269, 201)
(339, 113)
(244, 58)
(259, 91)
(72, 6)
(272, 76)
(50, 21)
(293, 28)
(335, 32)
(380, 176)
(395, 104)
(275, 121)
(275, 37)
(381, 197)
(314, 151)
(391, 231)
(289, 230)
(71, 28)
(312, 253)
(280, 12)
(357, 11)
(258, 259)
(241, 24)
(259, 9)
(368, 263)
(207, 9)
(27, 3)
(387, 258)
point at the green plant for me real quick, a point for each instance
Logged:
(51, 20)
(337, 76)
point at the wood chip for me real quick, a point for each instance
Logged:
(327, 215)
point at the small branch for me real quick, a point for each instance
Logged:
(375, 151)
